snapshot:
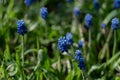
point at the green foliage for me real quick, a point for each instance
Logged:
(42, 59)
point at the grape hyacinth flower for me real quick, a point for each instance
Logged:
(69, 1)
(115, 23)
(76, 11)
(80, 43)
(88, 20)
(62, 44)
(102, 25)
(69, 38)
(115, 26)
(21, 28)
(21, 31)
(78, 54)
(80, 59)
(28, 2)
(44, 12)
(96, 4)
(116, 4)
(81, 64)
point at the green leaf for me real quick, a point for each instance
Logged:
(70, 76)
(7, 53)
(12, 70)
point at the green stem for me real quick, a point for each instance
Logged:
(46, 29)
(74, 24)
(37, 66)
(81, 36)
(89, 40)
(114, 46)
(23, 50)
(83, 75)
(89, 45)
(106, 44)
(35, 69)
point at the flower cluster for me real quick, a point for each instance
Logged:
(80, 43)
(44, 12)
(115, 23)
(81, 63)
(63, 42)
(28, 2)
(116, 4)
(96, 4)
(78, 54)
(76, 11)
(80, 59)
(88, 20)
(69, 38)
(102, 25)
(21, 27)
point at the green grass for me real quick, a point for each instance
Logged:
(42, 59)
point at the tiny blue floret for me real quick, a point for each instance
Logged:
(115, 23)
(88, 20)
(69, 38)
(21, 28)
(44, 12)
(62, 44)
(76, 11)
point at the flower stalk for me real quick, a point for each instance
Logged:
(114, 46)
(23, 50)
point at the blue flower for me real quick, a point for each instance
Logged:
(76, 11)
(78, 54)
(44, 12)
(116, 4)
(88, 20)
(21, 27)
(102, 25)
(70, 1)
(69, 38)
(62, 44)
(80, 43)
(96, 4)
(80, 59)
(81, 63)
(115, 23)
(28, 2)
